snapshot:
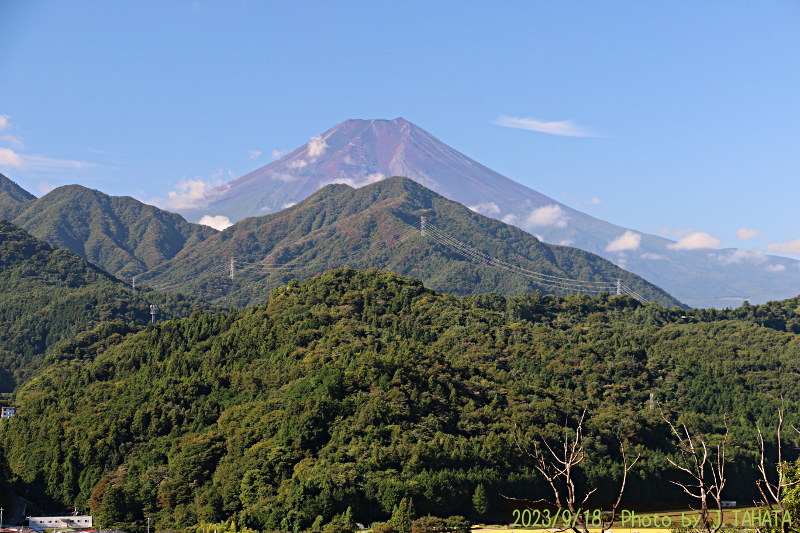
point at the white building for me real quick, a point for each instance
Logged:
(7, 412)
(75, 522)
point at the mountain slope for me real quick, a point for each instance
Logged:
(374, 226)
(12, 198)
(48, 295)
(118, 233)
(358, 152)
(356, 389)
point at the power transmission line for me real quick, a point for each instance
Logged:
(375, 246)
(426, 229)
(544, 279)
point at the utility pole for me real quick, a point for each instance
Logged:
(231, 267)
(134, 283)
(148, 524)
(619, 286)
(422, 226)
(153, 311)
(1, 517)
(651, 400)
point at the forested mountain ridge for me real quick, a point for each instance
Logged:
(356, 389)
(360, 151)
(48, 295)
(117, 233)
(374, 226)
(12, 198)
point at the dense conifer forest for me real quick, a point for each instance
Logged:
(48, 295)
(358, 393)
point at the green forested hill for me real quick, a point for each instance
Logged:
(49, 294)
(12, 198)
(373, 226)
(356, 389)
(117, 233)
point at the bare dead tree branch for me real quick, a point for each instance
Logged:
(694, 458)
(627, 468)
(558, 468)
(772, 492)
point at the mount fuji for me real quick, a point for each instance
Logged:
(359, 152)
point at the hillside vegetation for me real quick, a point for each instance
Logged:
(117, 233)
(374, 226)
(358, 389)
(12, 198)
(48, 295)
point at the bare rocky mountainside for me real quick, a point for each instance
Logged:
(358, 152)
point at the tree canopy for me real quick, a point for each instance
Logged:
(362, 389)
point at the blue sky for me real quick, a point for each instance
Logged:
(675, 117)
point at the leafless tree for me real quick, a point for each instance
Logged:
(559, 468)
(772, 492)
(708, 475)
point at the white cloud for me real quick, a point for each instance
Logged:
(488, 208)
(565, 128)
(695, 241)
(627, 241)
(276, 154)
(744, 234)
(538, 237)
(13, 141)
(49, 164)
(300, 163)
(581, 204)
(789, 247)
(194, 193)
(775, 268)
(32, 163)
(375, 178)
(565, 242)
(9, 158)
(352, 182)
(316, 146)
(355, 182)
(510, 218)
(45, 187)
(217, 222)
(651, 256)
(287, 205)
(593, 201)
(254, 154)
(549, 215)
(740, 256)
